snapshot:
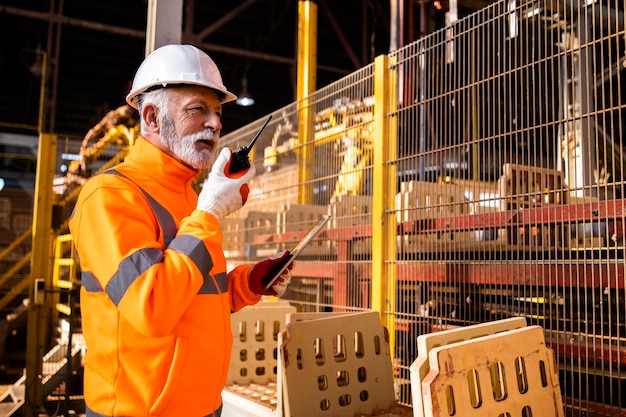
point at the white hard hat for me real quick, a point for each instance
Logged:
(175, 65)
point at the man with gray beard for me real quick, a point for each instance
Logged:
(156, 297)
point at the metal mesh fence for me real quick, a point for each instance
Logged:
(501, 182)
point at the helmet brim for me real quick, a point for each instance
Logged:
(132, 98)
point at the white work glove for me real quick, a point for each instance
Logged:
(260, 274)
(223, 192)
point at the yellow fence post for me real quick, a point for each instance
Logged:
(40, 307)
(383, 285)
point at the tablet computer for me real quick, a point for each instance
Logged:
(298, 248)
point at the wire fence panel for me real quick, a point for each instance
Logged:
(303, 174)
(506, 169)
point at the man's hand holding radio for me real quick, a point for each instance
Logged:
(225, 192)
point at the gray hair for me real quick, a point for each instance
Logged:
(159, 98)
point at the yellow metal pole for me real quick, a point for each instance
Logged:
(307, 63)
(42, 92)
(384, 185)
(40, 307)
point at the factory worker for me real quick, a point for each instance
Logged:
(156, 297)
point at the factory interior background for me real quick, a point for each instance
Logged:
(469, 154)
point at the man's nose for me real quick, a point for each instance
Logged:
(213, 122)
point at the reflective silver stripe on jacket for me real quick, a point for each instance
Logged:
(137, 263)
(165, 219)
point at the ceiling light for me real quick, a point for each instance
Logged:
(245, 99)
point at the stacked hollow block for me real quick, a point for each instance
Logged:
(423, 201)
(234, 232)
(484, 199)
(352, 211)
(519, 188)
(253, 378)
(526, 187)
(240, 232)
(337, 364)
(326, 364)
(271, 190)
(259, 223)
(490, 369)
(300, 218)
(594, 233)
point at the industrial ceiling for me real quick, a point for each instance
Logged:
(93, 48)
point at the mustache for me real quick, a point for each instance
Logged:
(202, 135)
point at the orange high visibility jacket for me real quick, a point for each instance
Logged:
(156, 297)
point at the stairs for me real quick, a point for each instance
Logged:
(12, 399)
(54, 370)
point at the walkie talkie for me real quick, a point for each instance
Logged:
(240, 160)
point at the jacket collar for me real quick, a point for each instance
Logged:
(158, 165)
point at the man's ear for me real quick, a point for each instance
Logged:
(151, 117)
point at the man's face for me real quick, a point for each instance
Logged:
(192, 127)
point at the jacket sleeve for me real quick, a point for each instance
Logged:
(239, 290)
(118, 240)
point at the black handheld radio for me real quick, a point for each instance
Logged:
(239, 160)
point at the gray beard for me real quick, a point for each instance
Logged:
(184, 148)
